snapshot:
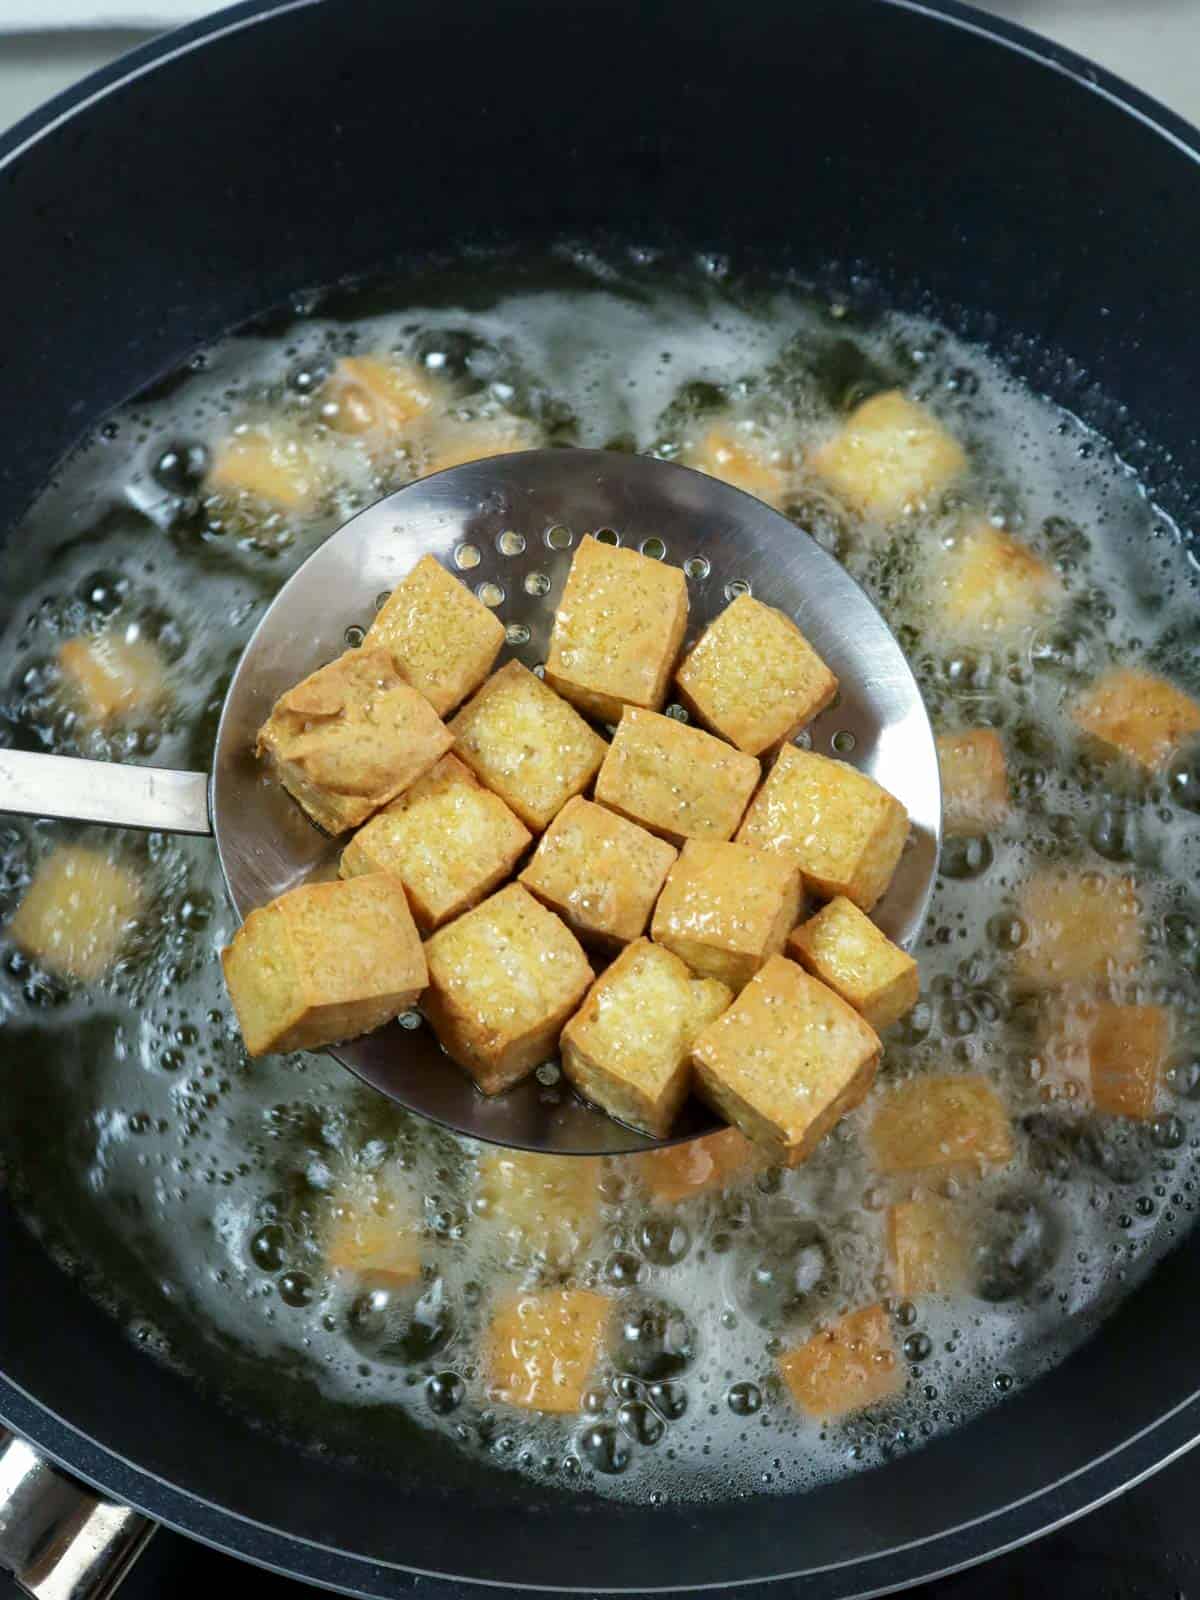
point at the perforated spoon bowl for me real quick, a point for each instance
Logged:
(508, 526)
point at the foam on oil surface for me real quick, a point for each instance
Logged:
(187, 1188)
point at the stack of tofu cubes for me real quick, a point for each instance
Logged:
(649, 934)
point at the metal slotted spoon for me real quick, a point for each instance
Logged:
(508, 526)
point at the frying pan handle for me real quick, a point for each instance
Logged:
(34, 785)
(58, 1538)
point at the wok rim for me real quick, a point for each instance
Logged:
(1045, 1509)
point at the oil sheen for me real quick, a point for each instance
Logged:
(192, 1192)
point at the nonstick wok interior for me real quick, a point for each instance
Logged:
(1016, 202)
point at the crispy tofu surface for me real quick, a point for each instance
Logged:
(503, 980)
(527, 744)
(627, 1048)
(350, 738)
(844, 948)
(786, 1061)
(846, 1367)
(940, 1125)
(1137, 715)
(974, 782)
(678, 782)
(890, 457)
(725, 908)
(929, 1246)
(682, 1171)
(841, 829)
(543, 1346)
(600, 872)
(324, 962)
(113, 675)
(443, 639)
(617, 631)
(449, 840)
(76, 913)
(753, 678)
(1079, 928)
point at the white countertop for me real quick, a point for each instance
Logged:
(1153, 43)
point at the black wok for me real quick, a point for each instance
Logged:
(916, 153)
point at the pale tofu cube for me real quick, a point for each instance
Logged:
(373, 394)
(503, 979)
(452, 443)
(1137, 715)
(443, 639)
(682, 1171)
(844, 948)
(889, 458)
(929, 1243)
(786, 1061)
(113, 675)
(627, 1047)
(974, 782)
(265, 465)
(529, 746)
(543, 1346)
(1129, 1055)
(989, 586)
(679, 782)
(846, 1367)
(76, 913)
(370, 1230)
(545, 1208)
(754, 678)
(725, 909)
(1080, 927)
(617, 631)
(745, 455)
(842, 829)
(600, 872)
(449, 840)
(350, 738)
(941, 1125)
(324, 962)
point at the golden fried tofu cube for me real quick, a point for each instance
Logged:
(1080, 927)
(324, 962)
(529, 746)
(75, 915)
(974, 782)
(1129, 1054)
(844, 948)
(449, 840)
(846, 1367)
(113, 675)
(840, 827)
(1138, 715)
(725, 909)
(754, 678)
(544, 1207)
(679, 782)
(890, 456)
(366, 394)
(268, 465)
(452, 443)
(503, 979)
(929, 1246)
(617, 631)
(682, 1171)
(989, 585)
(943, 1124)
(543, 1346)
(786, 1061)
(371, 1231)
(350, 738)
(443, 639)
(744, 455)
(627, 1047)
(600, 872)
